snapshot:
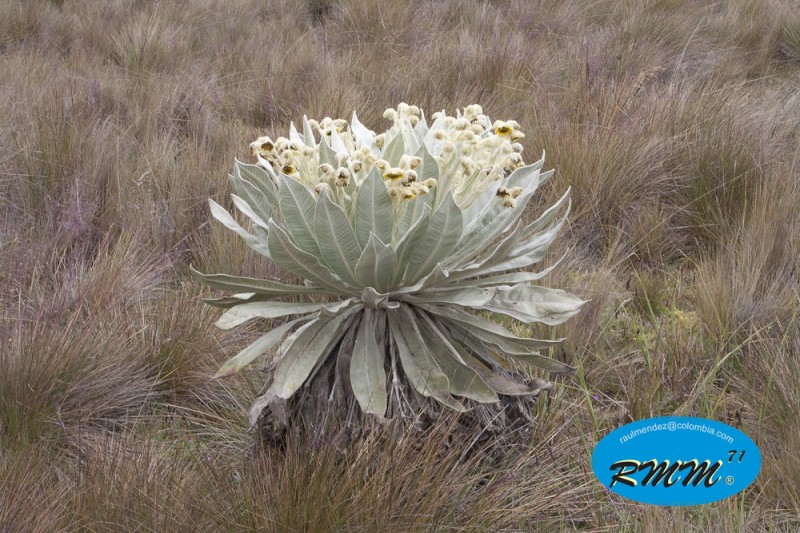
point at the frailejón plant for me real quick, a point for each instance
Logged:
(404, 234)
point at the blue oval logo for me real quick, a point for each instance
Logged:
(676, 460)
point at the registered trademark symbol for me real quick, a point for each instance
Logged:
(729, 480)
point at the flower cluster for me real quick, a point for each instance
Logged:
(470, 150)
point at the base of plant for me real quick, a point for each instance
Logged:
(324, 412)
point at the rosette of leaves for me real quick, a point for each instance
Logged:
(396, 286)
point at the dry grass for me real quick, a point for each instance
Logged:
(674, 122)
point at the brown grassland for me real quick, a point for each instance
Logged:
(676, 122)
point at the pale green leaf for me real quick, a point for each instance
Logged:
(394, 150)
(490, 223)
(226, 302)
(305, 265)
(421, 129)
(256, 243)
(326, 153)
(479, 340)
(259, 286)
(367, 373)
(337, 144)
(329, 310)
(259, 207)
(262, 179)
(511, 278)
(373, 211)
(306, 350)
(407, 244)
(256, 216)
(418, 364)
(475, 297)
(410, 142)
(372, 299)
(376, 264)
(257, 348)
(247, 311)
(363, 135)
(298, 207)
(531, 303)
(308, 133)
(462, 379)
(338, 246)
(490, 331)
(498, 383)
(446, 173)
(497, 255)
(294, 135)
(524, 255)
(548, 216)
(440, 240)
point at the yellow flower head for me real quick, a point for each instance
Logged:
(504, 129)
(393, 173)
(262, 146)
(409, 177)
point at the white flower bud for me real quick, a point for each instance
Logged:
(342, 177)
(461, 124)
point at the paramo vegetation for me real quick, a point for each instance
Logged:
(673, 124)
